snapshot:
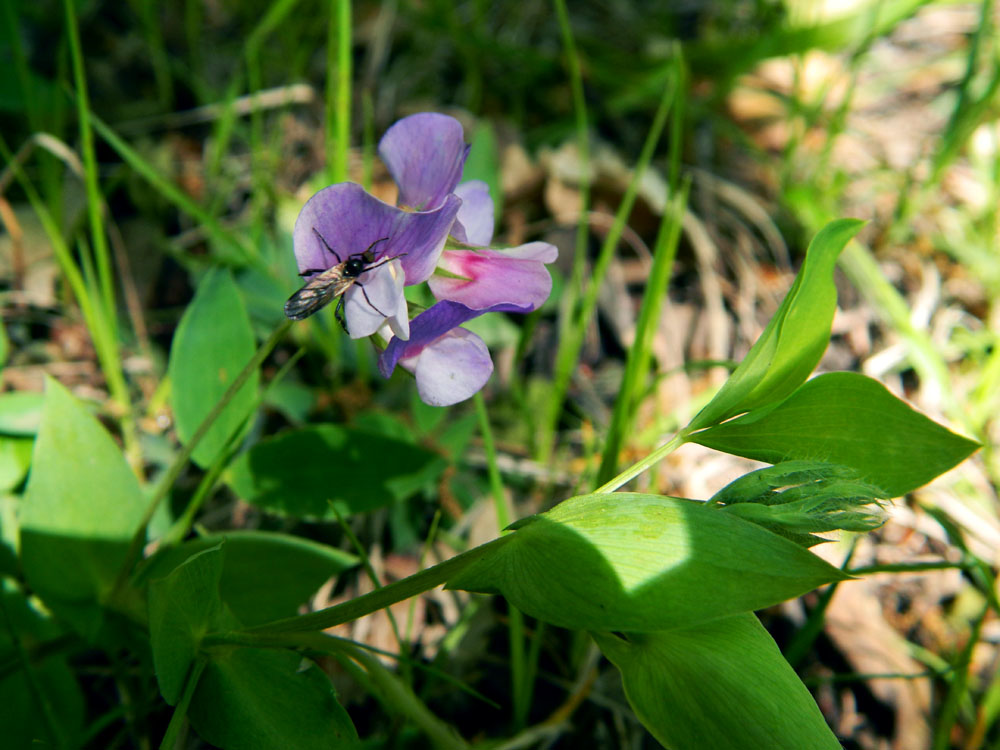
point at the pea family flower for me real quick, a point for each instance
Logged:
(343, 220)
(370, 250)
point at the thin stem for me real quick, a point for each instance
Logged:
(571, 291)
(138, 539)
(100, 244)
(636, 469)
(381, 598)
(172, 735)
(338, 88)
(518, 666)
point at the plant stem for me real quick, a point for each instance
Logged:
(138, 539)
(636, 469)
(373, 601)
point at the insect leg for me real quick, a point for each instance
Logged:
(370, 303)
(338, 313)
(326, 245)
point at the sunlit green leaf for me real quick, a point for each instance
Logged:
(631, 562)
(15, 458)
(722, 685)
(20, 412)
(795, 338)
(213, 342)
(849, 419)
(81, 507)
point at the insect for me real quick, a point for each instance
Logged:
(333, 282)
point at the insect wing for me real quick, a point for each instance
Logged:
(318, 292)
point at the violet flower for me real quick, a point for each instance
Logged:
(425, 154)
(449, 362)
(343, 220)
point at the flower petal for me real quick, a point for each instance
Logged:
(376, 297)
(474, 225)
(452, 368)
(429, 325)
(421, 236)
(349, 220)
(425, 154)
(493, 277)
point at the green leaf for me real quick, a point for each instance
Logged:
(795, 338)
(722, 685)
(81, 507)
(255, 699)
(214, 341)
(183, 607)
(631, 562)
(265, 575)
(15, 458)
(24, 721)
(20, 413)
(849, 419)
(300, 472)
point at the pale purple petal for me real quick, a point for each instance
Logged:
(474, 225)
(425, 154)
(350, 220)
(452, 368)
(422, 236)
(487, 278)
(430, 325)
(377, 296)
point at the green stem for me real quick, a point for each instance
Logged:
(381, 598)
(518, 666)
(571, 291)
(569, 347)
(172, 734)
(338, 88)
(100, 244)
(395, 693)
(636, 469)
(138, 539)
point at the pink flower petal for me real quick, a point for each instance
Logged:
(493, 277)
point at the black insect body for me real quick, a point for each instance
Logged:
(332, 283)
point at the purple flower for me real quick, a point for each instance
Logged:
(343, 220)
(425, 154)
(450, 363)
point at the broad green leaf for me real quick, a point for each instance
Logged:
(81, 507)
(300, 472)
(183, 607)
(15, 458)
(20, 412)
(722, 685)
(256, 699)
(849, 419)
(795, 338)
(213, 343)
(631, 562)
(23, 721)
(265, 575)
